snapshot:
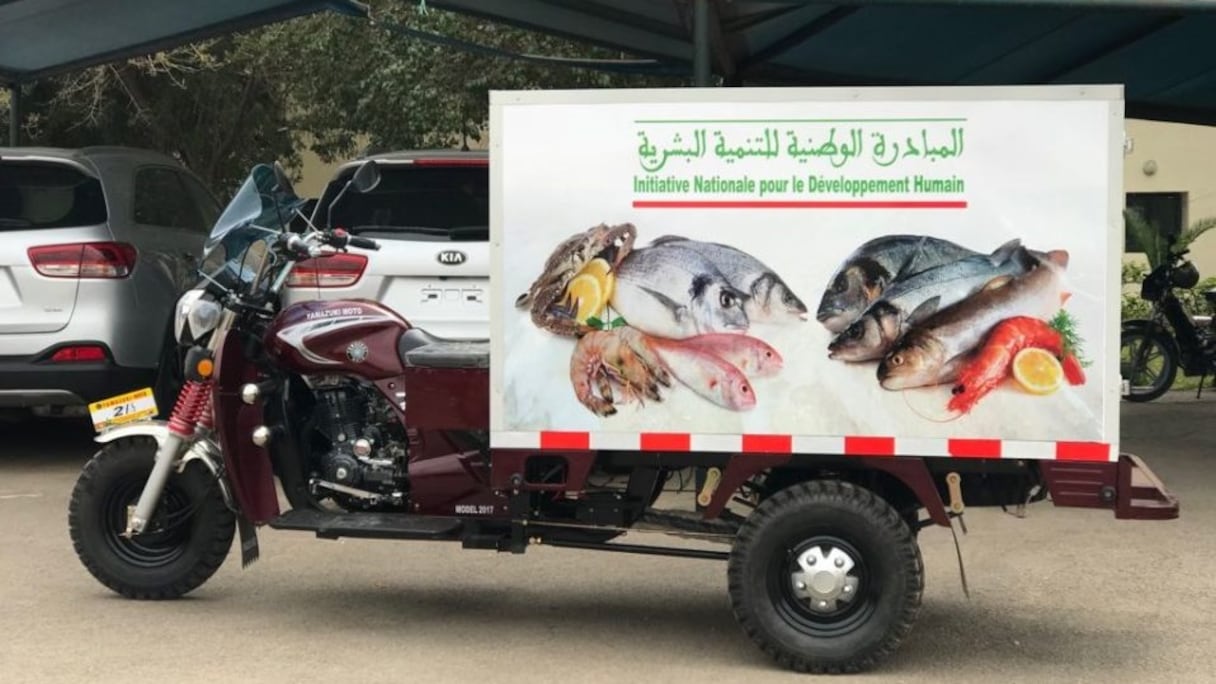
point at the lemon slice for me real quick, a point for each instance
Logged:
(1037, 371)
(587, 292)
(591, 289)
(600, 268)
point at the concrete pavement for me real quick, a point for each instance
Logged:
(1062, 595)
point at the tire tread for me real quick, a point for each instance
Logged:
(880, 513)
(214, 553)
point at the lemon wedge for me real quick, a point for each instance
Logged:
(586, 290)
(591, 289)
(1038, 371)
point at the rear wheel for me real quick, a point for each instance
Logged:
(1147, 363)
(826, 577)
(185, 542)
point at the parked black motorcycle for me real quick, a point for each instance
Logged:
(1153, 349)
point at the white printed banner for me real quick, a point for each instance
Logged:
(913, 263)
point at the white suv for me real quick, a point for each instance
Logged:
(96, 244)
(431, 215)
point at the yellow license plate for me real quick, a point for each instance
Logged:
(124, 408)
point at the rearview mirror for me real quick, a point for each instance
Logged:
(366, 177)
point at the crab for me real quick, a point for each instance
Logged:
(543, 298)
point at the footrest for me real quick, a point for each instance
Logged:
(1127, 486)
(1142, 495)
(369, 525)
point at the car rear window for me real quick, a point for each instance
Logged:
(48, 195)
(434, 203)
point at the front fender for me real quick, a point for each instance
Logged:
(202, 450)
(1151, 326)
(157, 429)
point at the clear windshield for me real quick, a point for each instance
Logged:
(259, 211)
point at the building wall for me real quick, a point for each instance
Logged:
(1168, 157)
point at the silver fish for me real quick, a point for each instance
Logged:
(771, 300)
(873, 266)
(676, 293)
(932, 352)
(917, 297)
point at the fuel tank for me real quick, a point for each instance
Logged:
(355, 336)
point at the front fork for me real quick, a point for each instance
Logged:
(191, 414)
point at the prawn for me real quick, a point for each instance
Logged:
(990, 366)
(623, 356)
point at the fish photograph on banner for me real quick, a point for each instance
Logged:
(807, 265)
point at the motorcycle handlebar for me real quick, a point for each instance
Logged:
(341, 238)
(302, 248)
(365, 243)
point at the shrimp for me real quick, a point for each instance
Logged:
(623, 356)
(990, 366)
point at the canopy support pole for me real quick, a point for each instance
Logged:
(14, 114)
(700, 42)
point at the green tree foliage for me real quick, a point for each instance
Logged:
(222, 105)
(206, 105)
(1152, 240)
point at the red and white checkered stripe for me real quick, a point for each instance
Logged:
(804, 444)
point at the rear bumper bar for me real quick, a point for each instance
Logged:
(30, 381)
(1127, 486)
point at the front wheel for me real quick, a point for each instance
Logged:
(826, 577)
(185, 542)
(1147, 362)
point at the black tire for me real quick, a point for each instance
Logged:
(858, 633)
(196, 527)
(1140, 350)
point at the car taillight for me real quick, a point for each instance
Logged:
(89, 352)
(339, 270)
(84, 260)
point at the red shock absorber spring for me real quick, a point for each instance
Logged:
(206, 419)
(190, 406)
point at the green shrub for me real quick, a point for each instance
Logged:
(1132, 306)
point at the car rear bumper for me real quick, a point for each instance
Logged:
(32, 381)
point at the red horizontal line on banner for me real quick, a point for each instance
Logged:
(1082, 451)
(577, 441)
(665, 441)
(799, 204)
(869, 446)
(558, 440)
(975, 448)
(768, 444)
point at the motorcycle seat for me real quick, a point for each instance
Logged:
(420, 349)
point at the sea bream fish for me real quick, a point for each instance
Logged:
(872, 267)
(672, 292)
(771, 300)
(931, 352)
(915, 298)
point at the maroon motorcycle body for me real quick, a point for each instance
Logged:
(363, 339)
(349, 336)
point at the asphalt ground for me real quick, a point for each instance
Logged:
(1060, 595)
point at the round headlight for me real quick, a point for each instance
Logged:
(184, 304)
(203, 317)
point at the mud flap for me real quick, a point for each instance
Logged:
(249, 541)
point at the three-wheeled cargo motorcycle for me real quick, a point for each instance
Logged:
(375, 428)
